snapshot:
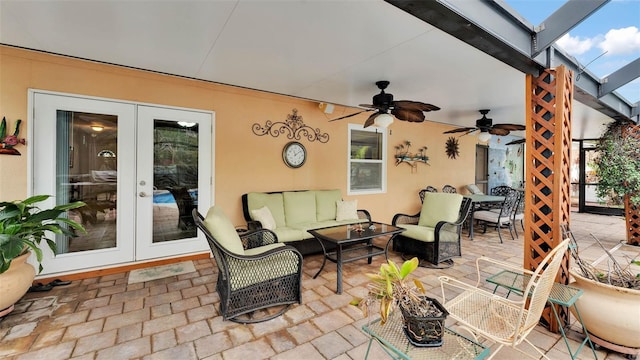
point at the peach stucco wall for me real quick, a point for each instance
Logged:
(243, 161)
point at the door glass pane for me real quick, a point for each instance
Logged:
(175, 179)
(86, 169)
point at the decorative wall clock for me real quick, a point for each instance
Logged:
(294, 154)
(453, 148)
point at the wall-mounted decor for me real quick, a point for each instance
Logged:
(403, 155)
(452, 147)
(7, 142)
(293, 127)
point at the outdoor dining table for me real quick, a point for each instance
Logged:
(477, 201)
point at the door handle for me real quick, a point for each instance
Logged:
(142, 194)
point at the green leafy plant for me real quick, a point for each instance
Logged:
(618, 163)
(23, 226)
(391, 287)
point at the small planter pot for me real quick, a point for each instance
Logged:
(425, 330)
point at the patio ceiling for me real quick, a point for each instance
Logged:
(327, 51)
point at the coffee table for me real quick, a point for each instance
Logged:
(396, 344)
(353, 242)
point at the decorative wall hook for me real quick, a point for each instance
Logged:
(294, 127)
(7, 142)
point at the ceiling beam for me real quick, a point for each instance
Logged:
(569, 15)
(492, 28)
(620, 77)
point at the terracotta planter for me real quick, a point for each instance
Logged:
(15, 282)
(611, 313)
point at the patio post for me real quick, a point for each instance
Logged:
(547, 188)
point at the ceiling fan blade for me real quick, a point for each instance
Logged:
(414, 105)
(510, 127)
(374, 107)
(408, 115)
(350, 115)
(469, 129)
(371, 120)
(514, 142)
(499, 131)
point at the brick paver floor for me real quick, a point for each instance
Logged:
(178, 317)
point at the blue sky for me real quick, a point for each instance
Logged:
(614, 28)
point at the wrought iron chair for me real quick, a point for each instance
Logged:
(426, 190)
(518, 212)
(255, 272)
(501, 190)
(434, 233)
(500, 218)
(498, 319)
(449, 189)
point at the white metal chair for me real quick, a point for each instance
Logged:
(504, 321)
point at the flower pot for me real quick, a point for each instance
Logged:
(609, 312)
(425, 331)
(15, 282)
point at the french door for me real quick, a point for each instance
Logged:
(140, 169)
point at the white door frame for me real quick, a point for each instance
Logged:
(127, 224)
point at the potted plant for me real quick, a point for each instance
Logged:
(618, 170)
(23, 226)
(609, 303)
(423, 316)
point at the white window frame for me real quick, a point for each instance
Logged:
(383, 161)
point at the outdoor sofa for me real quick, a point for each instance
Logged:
(290, 214)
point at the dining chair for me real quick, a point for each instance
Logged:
(449, 189)
(498, 319)
(518, 212)
(500, 218)
(426, 190)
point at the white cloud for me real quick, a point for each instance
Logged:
(621, 41)
(575, 45)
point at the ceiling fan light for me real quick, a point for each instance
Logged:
(484, 136)
(383, 120)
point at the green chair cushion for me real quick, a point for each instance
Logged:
(299, 207)
(223, 230)
(439, 207)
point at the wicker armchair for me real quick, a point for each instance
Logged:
(426, 190)
(498, 319)
(449, 189)
(437, 244)
(255, 272)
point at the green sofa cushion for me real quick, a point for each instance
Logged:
(299, 207)
(223, 230)
(326, 204)
(439, 207)
(274, 202)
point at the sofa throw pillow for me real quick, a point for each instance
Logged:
(346, 210)
(265, 217)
